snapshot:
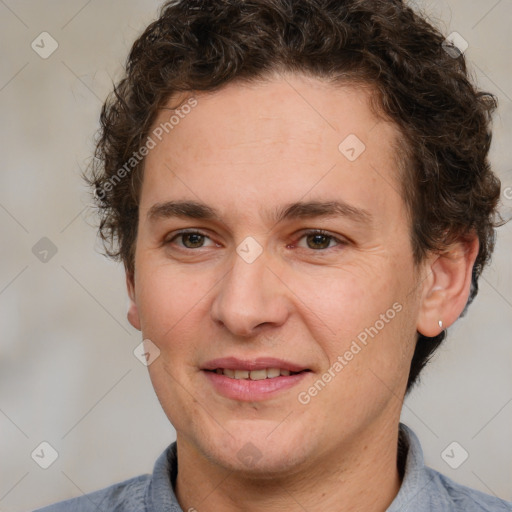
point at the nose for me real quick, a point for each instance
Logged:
(251, 297)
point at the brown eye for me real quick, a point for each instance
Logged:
(319, 240)
(189, 240)
(195, 239)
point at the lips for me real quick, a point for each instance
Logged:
(252, 380)
(264, 373)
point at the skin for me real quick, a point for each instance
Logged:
(246, 150)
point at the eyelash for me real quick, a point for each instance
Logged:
(312, 232)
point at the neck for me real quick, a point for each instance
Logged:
(360, 475)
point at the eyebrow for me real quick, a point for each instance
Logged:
(298, 210)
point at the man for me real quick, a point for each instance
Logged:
(301, 196)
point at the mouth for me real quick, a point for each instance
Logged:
(264, 373)
(253, 380)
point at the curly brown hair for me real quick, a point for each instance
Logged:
(421, 83)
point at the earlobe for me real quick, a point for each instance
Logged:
(446, 287)
(133, 312)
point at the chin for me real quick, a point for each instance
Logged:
(255, 453)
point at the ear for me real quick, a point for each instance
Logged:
(447, 285)
(133, 312)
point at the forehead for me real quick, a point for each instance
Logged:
(278, 107)
(274, 140)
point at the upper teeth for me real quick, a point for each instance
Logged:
(266, 373)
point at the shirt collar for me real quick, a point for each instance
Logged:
(160, 493)
(415, 480)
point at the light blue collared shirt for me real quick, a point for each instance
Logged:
(423, 489)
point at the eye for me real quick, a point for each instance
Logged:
(318, 239)
(189, 239)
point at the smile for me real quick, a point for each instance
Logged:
(264, 373)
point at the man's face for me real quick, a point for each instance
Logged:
(252, 288)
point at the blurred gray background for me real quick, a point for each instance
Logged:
(68, 375)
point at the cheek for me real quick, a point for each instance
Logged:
(167, 297)
(347, 299)
(364, 314)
